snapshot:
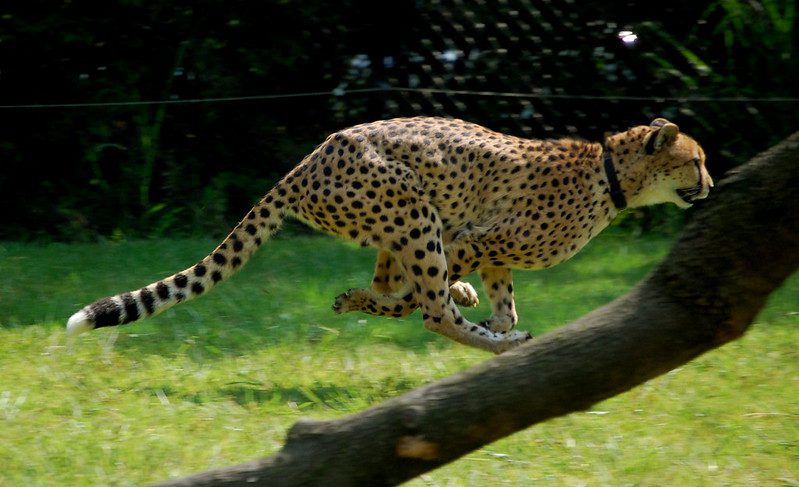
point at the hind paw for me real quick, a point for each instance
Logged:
(342, 302)
(464, 294)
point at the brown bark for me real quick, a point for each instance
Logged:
(739, 246)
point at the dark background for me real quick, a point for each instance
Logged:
(141, 170)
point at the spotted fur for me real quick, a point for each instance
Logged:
(441, 199)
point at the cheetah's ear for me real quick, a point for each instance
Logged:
(664, 134)
(658, 122)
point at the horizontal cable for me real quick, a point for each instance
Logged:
(430, 91)
(183, 101)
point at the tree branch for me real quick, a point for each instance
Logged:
(740, 245)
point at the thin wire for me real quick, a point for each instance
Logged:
(429, 91)
(183, 101)
(557, 96)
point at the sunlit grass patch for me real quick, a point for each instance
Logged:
(219, 381)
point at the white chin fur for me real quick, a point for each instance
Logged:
(79, 323)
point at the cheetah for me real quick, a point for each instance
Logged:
(440, 199)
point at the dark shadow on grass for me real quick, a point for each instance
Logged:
(210, 330)
(318, 395)
(211, 342)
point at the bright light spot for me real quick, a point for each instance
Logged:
(628, 37)
(450, 55)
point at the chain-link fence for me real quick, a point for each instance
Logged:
(533, 68)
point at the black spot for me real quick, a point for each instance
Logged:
(251, 229)
(131, 310)
(235, 262)
(419, 254)
(329, 149)
(431, 295)
(216, 276)
(327, 171)
(416, 270)
(264, 213)
(162, 290)
(147, 299)
(237, 246)
(181, 280)
(432, 271)
(199, 270)
(197, 288)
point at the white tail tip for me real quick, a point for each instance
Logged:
(79, 323)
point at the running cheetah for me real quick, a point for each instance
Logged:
(442, 198)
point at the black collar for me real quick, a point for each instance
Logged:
(616, 194)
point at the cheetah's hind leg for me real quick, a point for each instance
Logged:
(388, 278)
(396, 304)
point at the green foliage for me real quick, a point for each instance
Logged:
(737, 49)
(149, 170)
(219, 380)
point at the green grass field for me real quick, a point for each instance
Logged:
(218, 381)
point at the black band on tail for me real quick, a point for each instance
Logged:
(105, 312)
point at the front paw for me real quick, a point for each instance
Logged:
(499, 324)
(512, 340)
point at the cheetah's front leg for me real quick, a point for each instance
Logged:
(426, 268)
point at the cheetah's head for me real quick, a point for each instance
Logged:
(658, 164)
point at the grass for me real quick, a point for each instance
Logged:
(218, 381)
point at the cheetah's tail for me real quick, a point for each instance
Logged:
(260, 223)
